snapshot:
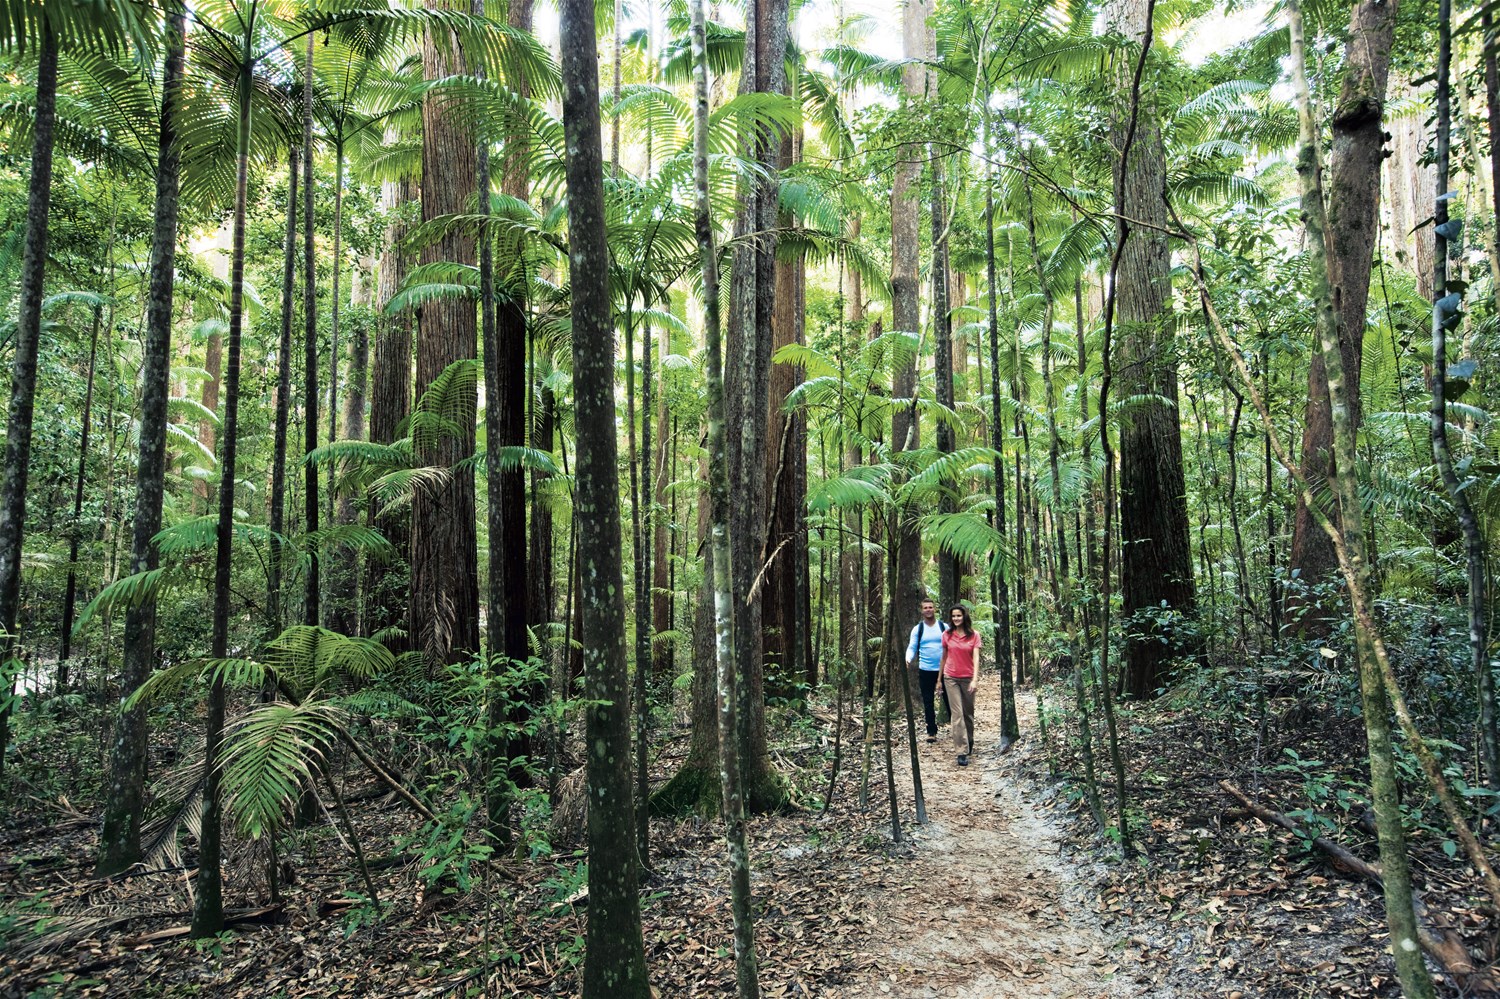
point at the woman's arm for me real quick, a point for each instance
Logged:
(974, 675)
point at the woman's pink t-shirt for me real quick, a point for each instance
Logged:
(961, 652)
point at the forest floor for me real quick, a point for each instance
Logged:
(1008, 891)
(994, 908)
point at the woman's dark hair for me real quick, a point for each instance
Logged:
(968, 625)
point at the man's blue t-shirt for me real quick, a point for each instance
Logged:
(928, 640)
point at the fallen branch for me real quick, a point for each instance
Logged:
(1441, 942)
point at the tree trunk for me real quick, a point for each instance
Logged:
(746, 374)
(785, 623)
(1445, 313)
(70, 593)
(906, 305)
(727, 607)
(208, 900)
(1353, 225)
(275, 570)
(120, 835)
(444, 564)
(1157, 565)
(1410, 967)
(504, 324)
(343, 589)
(213, 363)
(614, 962)
(386, 583)
(695, 788)
(313, 595)
(942, 334)
(1010, 728)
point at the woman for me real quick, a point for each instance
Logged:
(960, 669)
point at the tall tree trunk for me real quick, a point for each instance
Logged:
(906, 304)
(727, 606)
(120, 834)
(275, 611)
(343, 586)
(695, 788)
(1157, 564)
(208, 398)
(1353, 225)
(311, 601)
(663, 652)
(1410, 966)
(444, 564)
(386, 583)
(785, 624)
(504, 323)
(1444, 314)
(614, 963)
(70, 593)
(746, 374)
(208, 900)
(1010, 728)
(942, 334)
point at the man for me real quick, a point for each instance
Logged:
(926, 648)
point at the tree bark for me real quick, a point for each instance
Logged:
(785, 625)
(208, 901)
(386, 583)
(727, 607)
(746, 374)
(1156, 565)
(444, 564)
(1410, 968)
(906, 305)
(120, 834)
(75, 530)
(313, 593)
(275, 570)
(1353, 224)
(505, 427)
(614, 959)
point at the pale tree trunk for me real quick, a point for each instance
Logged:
(695, 788)
(120, 834)
(1353, 225)
(208, 398)
(343, 596)
(746, 375)
(942, 326)
(1410, 966)
(1445, 313)
(906, 304)
(721, 526)
(444, 563)
(1157, 562)
(313, 593)
(614, 957)
(275, 571)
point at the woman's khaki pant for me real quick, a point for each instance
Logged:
(961, 701)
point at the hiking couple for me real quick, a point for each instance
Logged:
(947, 651)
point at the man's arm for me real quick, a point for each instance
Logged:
(911, 647)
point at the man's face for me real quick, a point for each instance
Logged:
(929, 610)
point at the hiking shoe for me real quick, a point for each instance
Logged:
(932, 737)
(963, 759)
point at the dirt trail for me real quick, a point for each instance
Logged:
(994, 910)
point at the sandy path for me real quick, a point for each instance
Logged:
(995, 911)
